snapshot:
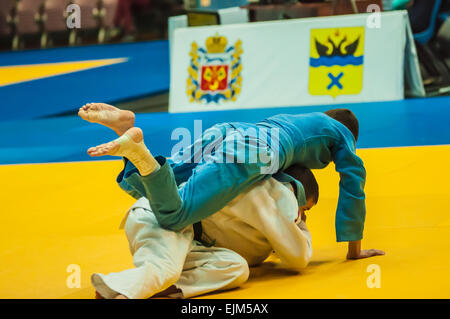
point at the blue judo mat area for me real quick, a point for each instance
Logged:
(411, 122)
(32, 133)
(145, 72)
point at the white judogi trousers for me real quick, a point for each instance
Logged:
(164, 258)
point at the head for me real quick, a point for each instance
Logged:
(306, 177)
(346, 117)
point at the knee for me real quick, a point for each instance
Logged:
(244, 273)
(240, 269)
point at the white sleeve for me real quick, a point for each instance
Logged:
(291, 242)
(272, 209)
(305, 230)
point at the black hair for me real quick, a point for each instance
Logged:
(346, 117)
(306, 177)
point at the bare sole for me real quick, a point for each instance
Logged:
(107, 115)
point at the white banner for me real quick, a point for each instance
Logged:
(343, 59)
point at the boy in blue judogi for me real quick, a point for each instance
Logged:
(237, 156)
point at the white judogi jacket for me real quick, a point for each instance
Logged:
(259, 221)
(246, 231)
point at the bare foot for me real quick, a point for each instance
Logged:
(134, 134)
(130, 145)
(120, 297)
(104, 149)
(117, 120)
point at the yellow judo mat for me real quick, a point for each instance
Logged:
(62, 219)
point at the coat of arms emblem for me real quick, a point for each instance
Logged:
(214, 71)
(336, 61)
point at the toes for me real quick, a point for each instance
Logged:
(87, 106)
(92, 151)
(83, 114)
(100, 150)
(93, 106)
(96, 152)
(97, 148)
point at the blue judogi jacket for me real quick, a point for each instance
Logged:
(312, 140)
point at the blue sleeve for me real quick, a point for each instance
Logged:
(351, 209)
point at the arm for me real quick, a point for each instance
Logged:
(292, 244)
(351, 211)
(276, 221)
(351, 208)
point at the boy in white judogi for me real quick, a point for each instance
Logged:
(263, 219)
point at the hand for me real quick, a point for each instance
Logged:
(365, 253)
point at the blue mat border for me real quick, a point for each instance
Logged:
(413, 122)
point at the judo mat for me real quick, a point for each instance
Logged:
(58, 80)
(63, 211)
